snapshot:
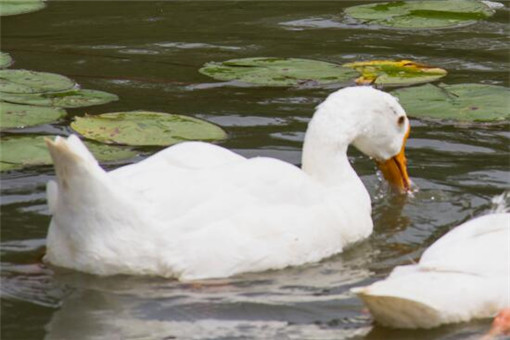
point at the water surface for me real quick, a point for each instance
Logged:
(148, 53)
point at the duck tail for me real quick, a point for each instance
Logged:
(501, 203)
(68, 148)
(76, 168)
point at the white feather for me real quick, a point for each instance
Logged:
(196, 210)
(464, 275)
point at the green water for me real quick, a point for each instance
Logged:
(148, 53)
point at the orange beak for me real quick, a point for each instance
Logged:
(395, 170)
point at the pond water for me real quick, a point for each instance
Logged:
(148, 53)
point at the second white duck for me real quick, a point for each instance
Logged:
(196, 210)
(464, 275)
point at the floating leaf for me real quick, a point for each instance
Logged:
(26, 151)
(18, 116)
(9, 166)
(14, 7)
(278, 71)
(421, 14)
(70, 99)
(24, 81)
(145, 128)
(5, 60)
(463, 102)
(395, 73)
(110, 153)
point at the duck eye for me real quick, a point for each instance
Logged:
(401, 120)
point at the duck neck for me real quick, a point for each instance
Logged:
(325, 147)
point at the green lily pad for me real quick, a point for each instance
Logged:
(462, 102)
(71, 99)
(8, 166)
(30, 150)
(5, 60)
(145, 128)
(24, 81)
(395, 73)
(278, 71)
(421, 14)
(18, 116)
(14, 7)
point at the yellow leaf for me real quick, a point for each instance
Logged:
(391, 72)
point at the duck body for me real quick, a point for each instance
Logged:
(464, 275)
(197, 210)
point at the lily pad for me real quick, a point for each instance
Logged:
(18, 116)
(395, 73)
(30, 150)
(14, 7)
(24, 81)
(462, 102)
(278, 71)
(70, 99)
(145, 128)
(5, 60)
(421, 14)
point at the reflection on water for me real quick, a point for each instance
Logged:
(148, 53)
(308, 301)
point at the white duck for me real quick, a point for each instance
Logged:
(462, 276)
(196, 210)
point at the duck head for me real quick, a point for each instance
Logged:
(371, 120)
(384, 138)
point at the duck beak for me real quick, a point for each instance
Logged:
(395, 170)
